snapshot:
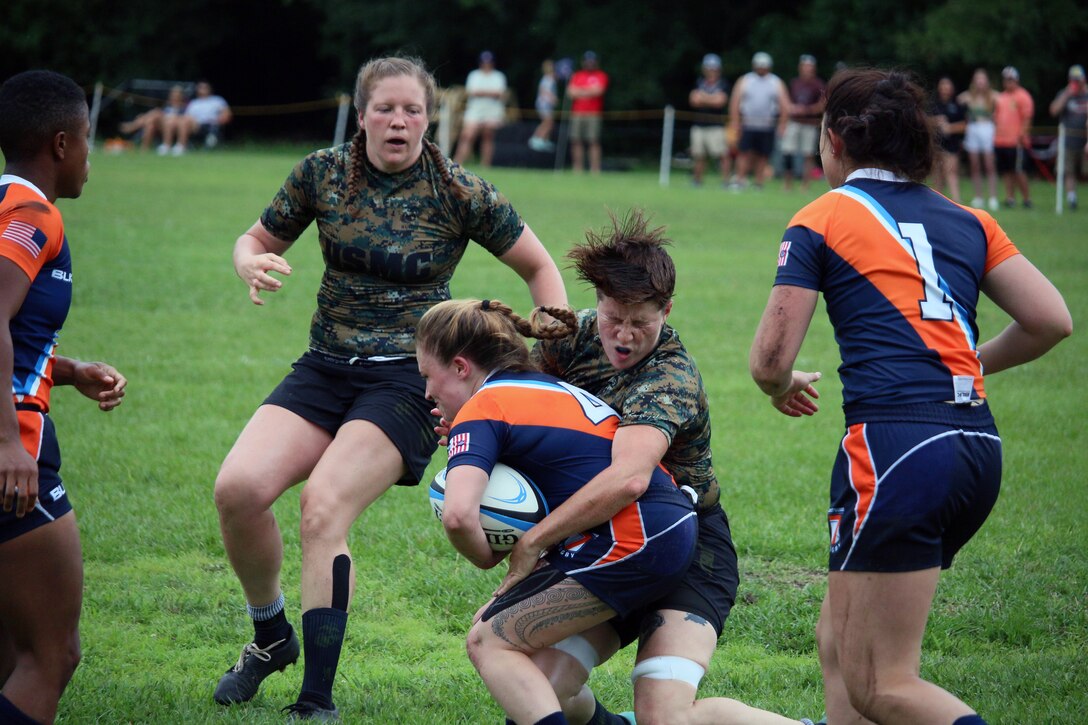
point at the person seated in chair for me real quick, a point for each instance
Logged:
(204, 116)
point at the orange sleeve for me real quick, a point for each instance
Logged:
(31, 233)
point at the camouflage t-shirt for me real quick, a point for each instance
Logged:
(665, 390)
(390, 253)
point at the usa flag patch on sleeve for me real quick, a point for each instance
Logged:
(27, 236)
(783, 253)
(458, 444)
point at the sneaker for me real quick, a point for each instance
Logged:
(628, 716)
(1028, 204)
(1072, 204)
(538, 144)
(305, 710)
(211, 140)
(1010, 203)
(241, 681)
(977, 202)
(162, 150)
(994, 206)
(178, 150)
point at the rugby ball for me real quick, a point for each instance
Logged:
(510, 506)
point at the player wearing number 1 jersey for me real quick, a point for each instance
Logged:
(919, 468)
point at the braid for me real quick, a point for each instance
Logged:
(564, 322)
(356, 163)
(459, 189)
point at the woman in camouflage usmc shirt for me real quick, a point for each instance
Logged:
(394, 217)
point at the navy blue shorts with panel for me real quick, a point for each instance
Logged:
(709, 587)
(39, 437)
(906, 496)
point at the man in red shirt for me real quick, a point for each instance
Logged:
(586, 89)
(1013, 112)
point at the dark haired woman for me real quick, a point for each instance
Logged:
(473, 357)
(919, 467)
(44, 133)
(393, 221)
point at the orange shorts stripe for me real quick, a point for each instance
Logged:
(862, 474)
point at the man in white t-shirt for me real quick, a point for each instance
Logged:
(485, 110)
(205, 115)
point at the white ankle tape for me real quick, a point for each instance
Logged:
(580, 649)
(669, 668)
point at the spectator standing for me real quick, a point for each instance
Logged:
(978, 141)
(205, 115)
(803, 128)
(1013, 111)
(484, 111)
(587, 88)
(547, 98)
(1070, 106)
(759, 111)
(708, 98)
(951, 121)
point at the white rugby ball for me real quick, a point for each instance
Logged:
(511, 505)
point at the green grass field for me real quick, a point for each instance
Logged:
(156, 295)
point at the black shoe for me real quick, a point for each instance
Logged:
(305, 710)
(1010, 203)
(1028, 204)
(240, 682)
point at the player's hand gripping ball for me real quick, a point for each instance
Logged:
(510, 506)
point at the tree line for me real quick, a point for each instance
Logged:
(259, 52)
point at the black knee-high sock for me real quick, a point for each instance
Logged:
(322, 638)
(556, 718)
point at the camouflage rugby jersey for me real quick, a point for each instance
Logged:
(390, 253)
(665, 390)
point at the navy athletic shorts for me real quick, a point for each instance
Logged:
(643, 564)
(329, 392)
(39, 437)
(758, 140)
(709, 588)
(906, 496)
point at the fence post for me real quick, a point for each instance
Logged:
(1060, 170)
(667, 126)
(342, 120)
(96, 107)
(445, 123)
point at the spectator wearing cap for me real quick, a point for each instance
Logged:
(708, 100)
(586, 89)
(759, 109)
(1013, 111)
(485, 110)
(1070, 107)
(803, 128)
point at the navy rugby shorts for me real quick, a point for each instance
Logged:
(39, 437)
(709, 588)
(906, 496)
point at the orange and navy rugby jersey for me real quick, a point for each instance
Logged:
(556, 434)
(32, 236)
(899, 266)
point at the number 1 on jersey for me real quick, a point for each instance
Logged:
(936, 305)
